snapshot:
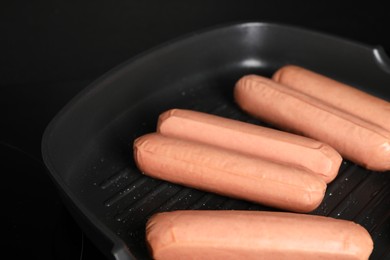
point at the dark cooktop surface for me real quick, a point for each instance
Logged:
(37, 224)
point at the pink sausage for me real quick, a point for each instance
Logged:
(355, 139)
(337, 94)
(250, 235)
(267, 143)
(228, 173)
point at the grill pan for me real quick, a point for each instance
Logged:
(87, 147)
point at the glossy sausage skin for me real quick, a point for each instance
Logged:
(355, 139)
(337, 94)
(234, 234)
(228, 173)
(267, 143)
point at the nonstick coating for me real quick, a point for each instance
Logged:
(87, 147)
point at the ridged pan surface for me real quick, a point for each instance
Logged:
(88, 145)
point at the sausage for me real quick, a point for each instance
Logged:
(226, 172)
(355, 139)
(236, 234)
(271, 144)
(347, 98)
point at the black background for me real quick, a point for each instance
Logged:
(50, 50)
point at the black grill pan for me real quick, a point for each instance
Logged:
(87, 147)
